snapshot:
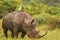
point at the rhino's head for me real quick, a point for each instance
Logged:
(31, 29)
(34, 34)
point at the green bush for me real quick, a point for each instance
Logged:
(34, 9)
(41, 18)
(38, 19)
(8, 6)
(54, 22)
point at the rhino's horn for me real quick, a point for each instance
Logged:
(43, 35)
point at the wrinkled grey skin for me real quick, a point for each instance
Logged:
(20, 22)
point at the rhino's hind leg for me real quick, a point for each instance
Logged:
(23, 34)
(4, 29)
(5, 32)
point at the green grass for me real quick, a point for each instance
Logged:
(51, 35)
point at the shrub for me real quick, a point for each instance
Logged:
(54, 22)
(8, 6)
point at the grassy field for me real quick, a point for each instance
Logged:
(51, 35)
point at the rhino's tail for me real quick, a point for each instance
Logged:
(3, 23)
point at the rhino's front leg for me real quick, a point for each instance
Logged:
(14, 33)
(23, 34)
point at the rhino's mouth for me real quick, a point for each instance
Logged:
(33, 34)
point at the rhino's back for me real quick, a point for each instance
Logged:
(13, 19)
(16, 18)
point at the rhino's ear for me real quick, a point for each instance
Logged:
(32, 22)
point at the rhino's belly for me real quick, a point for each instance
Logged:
(19, 27)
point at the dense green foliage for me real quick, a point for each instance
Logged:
(44, 14)
(8, 6)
